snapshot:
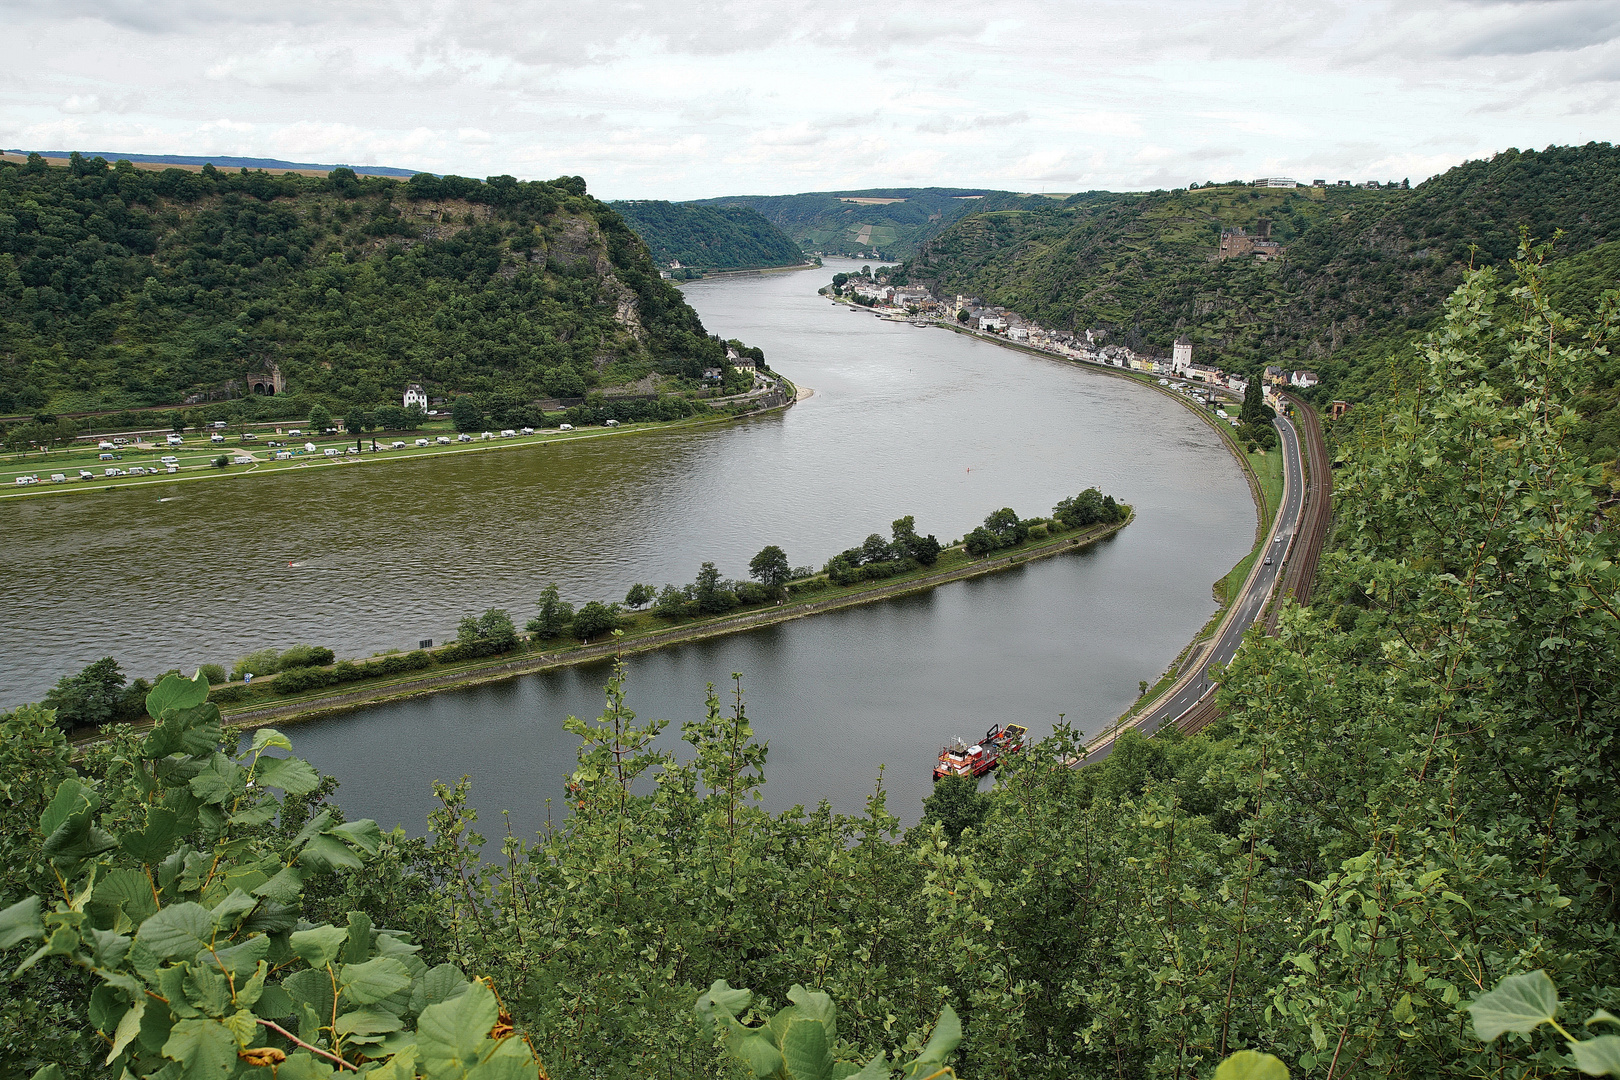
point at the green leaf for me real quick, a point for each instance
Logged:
(1599, 1056)
(368, 1021)
(204, 1048)
(107, 1005)
(273, 1003)
(357, 950)
(266, 737)
(290, 774)
(363, 834)
(373, 980)
(48, 1072)
(312, 987)
(438, 984)
(149, 846)
(220, 782)
(1251, 1065)
(325, 853)
(229, 911)
(108, 948)
(20, 922)
(510, 1060)
(449, 1033)
(127, 892)
(817, 1006)
(320, 945)
(947, 1034)
(805, 1052)
(876, 1069)
(179, 931)
(242, 1026)
(285, 888)
(721, 1002)
(175, 692)
(207, 989)
(402, 1066)
(756, 1051)
(1602, 1016)
(1520, 1003)
(128, 1028)
(243, 959)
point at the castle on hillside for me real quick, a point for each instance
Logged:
(1237, 241)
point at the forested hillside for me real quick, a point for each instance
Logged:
(1363, 268)
(890, 221)
(122, 288)
(708, 237)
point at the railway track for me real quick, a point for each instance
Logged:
(1305, 551)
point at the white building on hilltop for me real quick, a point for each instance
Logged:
(1181, 355)
(415, 395)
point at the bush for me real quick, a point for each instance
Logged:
(1038, 532)
(809, 585)
(257, 664)
(298, 680)
(227, 695)
(304, 656)
(214, 673)
(750, 593)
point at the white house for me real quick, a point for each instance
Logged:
(415, 395)
(1181, 355)
(1303, 379)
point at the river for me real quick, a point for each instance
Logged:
(903, 420)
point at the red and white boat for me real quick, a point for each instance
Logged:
(957, 758)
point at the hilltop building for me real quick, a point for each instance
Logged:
(415, 395)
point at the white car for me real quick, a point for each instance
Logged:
(216, 438)
(58, 478)
(610, 423)
(333, 453)
(86, 474)
(169, 459)
(565, 427)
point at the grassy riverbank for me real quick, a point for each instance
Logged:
(194, 459)
(259, 704)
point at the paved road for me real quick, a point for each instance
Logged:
(1251, 601)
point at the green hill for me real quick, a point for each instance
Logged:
(890, 221)
(709, 237)
(122, 288)
(1364, 270)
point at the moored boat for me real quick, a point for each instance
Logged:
(957, 758)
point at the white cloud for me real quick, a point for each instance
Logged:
(716, 96)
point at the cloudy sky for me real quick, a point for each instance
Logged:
(711, 97)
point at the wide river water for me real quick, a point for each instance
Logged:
(903, 420)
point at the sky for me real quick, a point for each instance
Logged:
(703, 98)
